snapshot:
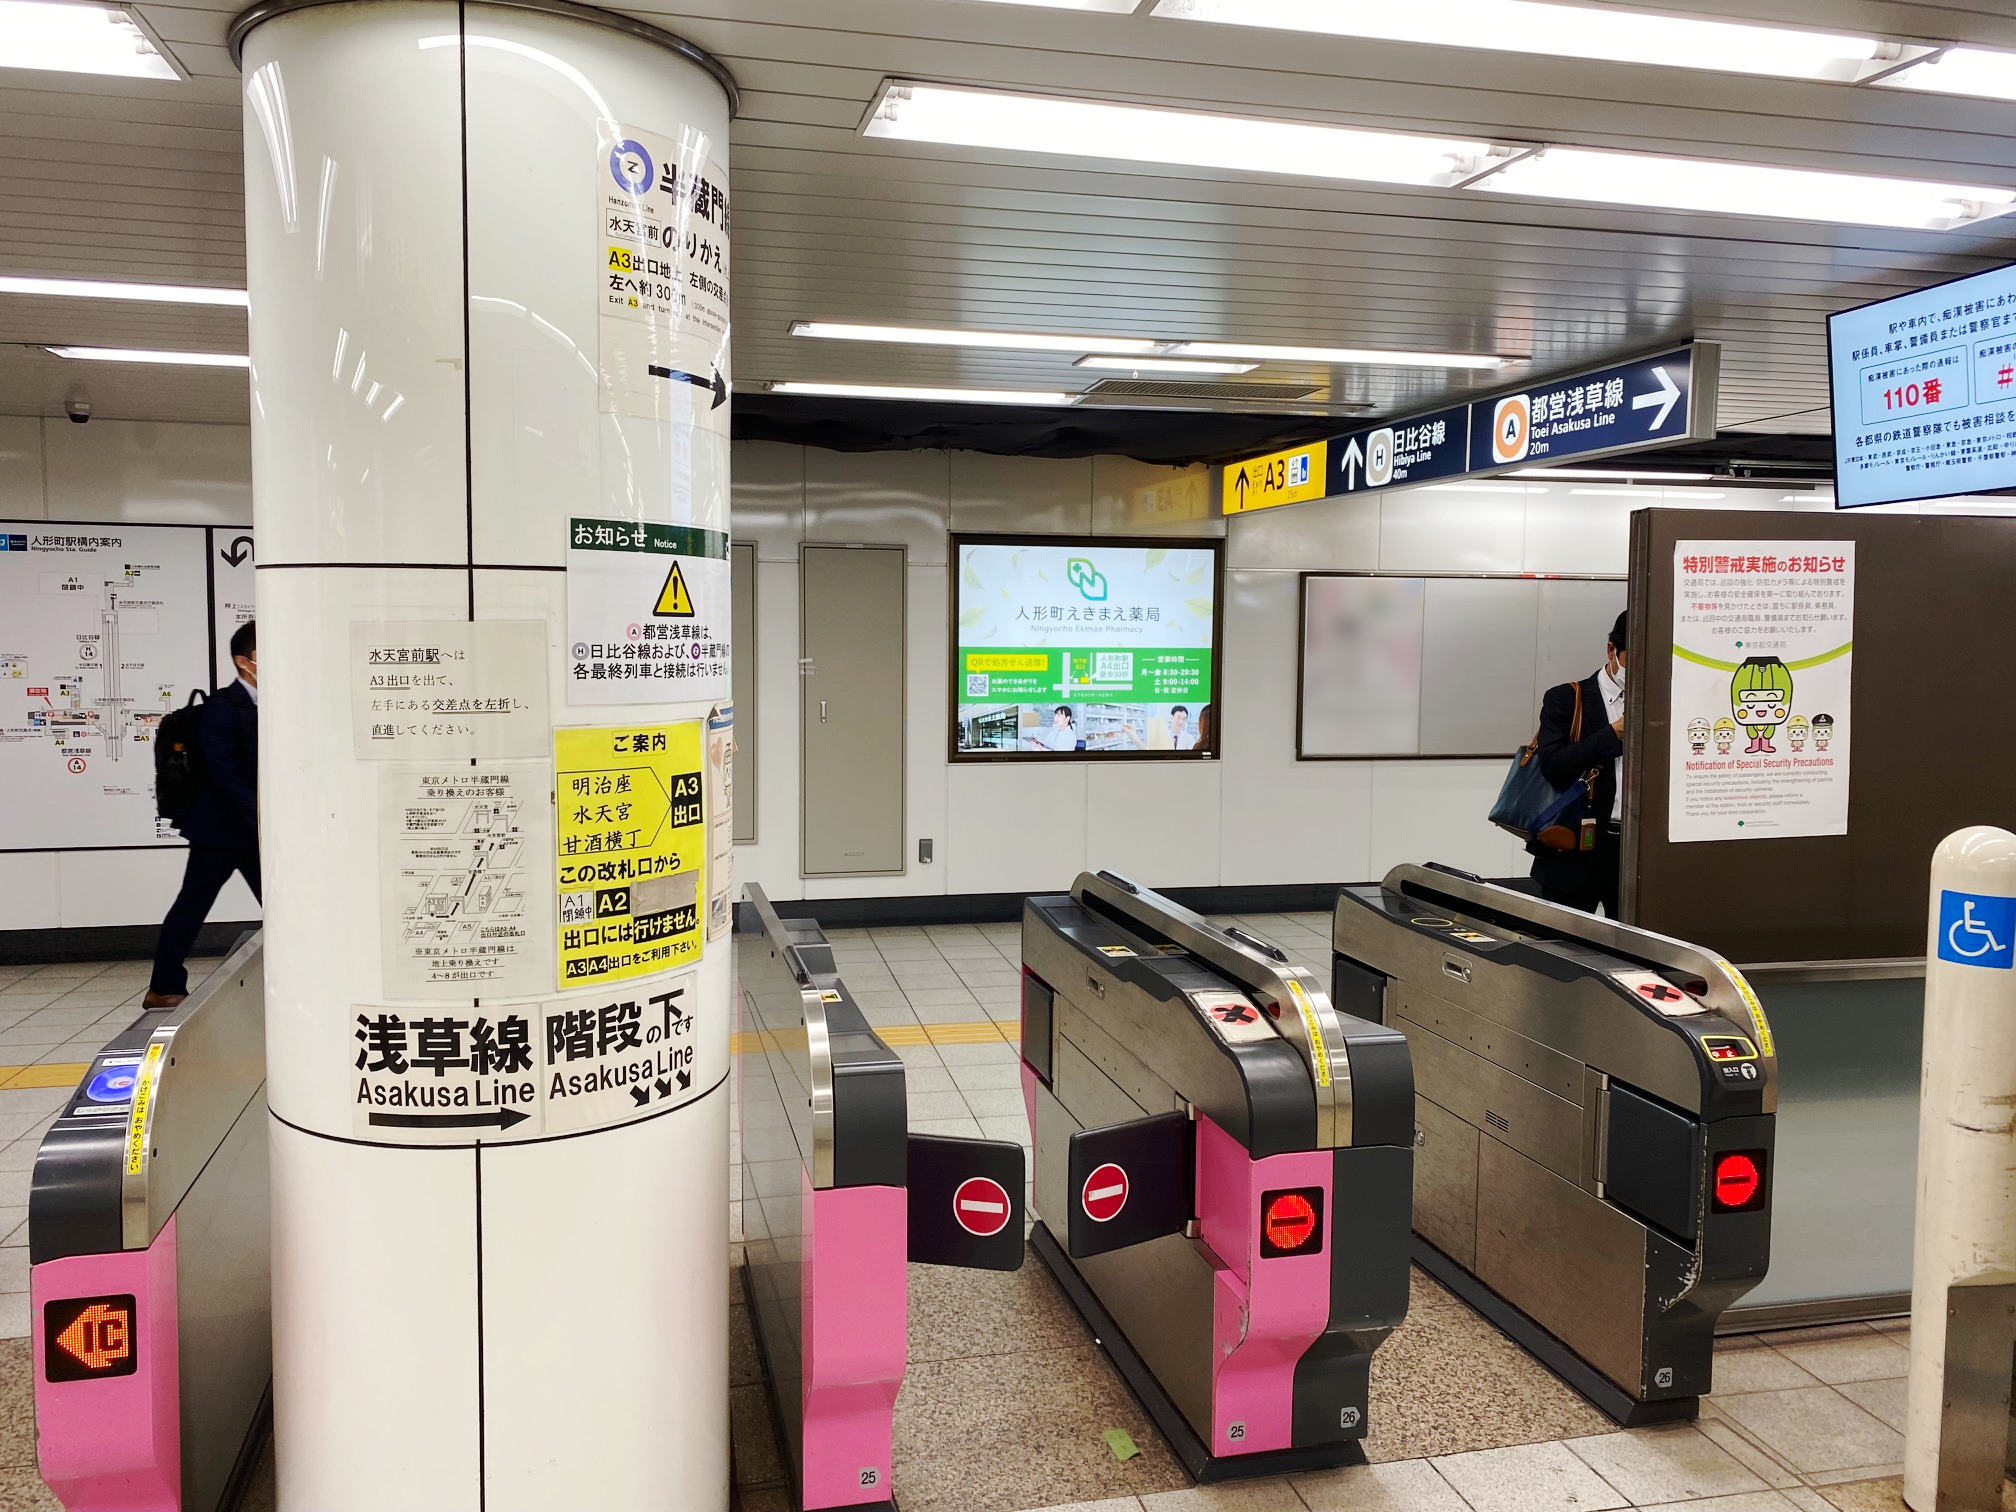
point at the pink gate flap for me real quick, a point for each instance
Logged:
(1266, 1312)
(857, 1318)
(114, 1443)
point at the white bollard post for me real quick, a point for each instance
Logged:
(1963, 1275)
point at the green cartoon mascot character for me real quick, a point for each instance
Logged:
(1760, 696)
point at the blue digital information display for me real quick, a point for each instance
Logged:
(1925, 393)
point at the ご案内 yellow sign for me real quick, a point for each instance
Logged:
(632, 842)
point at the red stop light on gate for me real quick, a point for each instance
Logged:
(1291, 1222)
(1738, 1181)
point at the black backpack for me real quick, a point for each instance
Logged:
(178, 760)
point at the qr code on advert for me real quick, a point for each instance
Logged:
(1113, 666)
(577, 908)
(976, 684)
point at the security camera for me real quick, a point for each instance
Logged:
(78, 408)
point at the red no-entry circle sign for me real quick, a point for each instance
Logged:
(981, 1206)
(1105, 1193)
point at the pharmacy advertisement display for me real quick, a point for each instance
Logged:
(1763, 665)
(1925, 393)
(1089, 647)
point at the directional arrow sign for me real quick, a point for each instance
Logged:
(1665, 397)
(1351, 461)
(1283, 477)
(1628, 406)
(717, 383)
(501, 1118)
(239, 549)
(1394, 454)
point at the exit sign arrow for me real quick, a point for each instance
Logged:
(1665, 396)
(1354, 458)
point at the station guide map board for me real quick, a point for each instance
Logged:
(104, 627)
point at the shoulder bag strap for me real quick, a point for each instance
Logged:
(1575, 729)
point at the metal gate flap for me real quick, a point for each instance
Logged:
(1130, 1182)
(966, 1202)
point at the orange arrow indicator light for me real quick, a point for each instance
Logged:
(89, 1338)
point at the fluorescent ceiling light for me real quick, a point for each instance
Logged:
(1023, 341)
(85, 288)
(913, 112)
(945, 395)
(1175, 365)
(1570, 31)
(1960, 70)
(1672, 183)
(1111, 7)
(1636, 493)
(1518, 488)
(1595, 473)
(1337, 356)
(134, 354)
(90, 39)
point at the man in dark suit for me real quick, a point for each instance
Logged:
(1584, 878)
(223, 827)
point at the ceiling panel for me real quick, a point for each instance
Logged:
(831, 224)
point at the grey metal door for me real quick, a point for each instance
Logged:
(851, 713)
(742, 769)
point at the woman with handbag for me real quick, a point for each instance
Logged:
(1581, 750)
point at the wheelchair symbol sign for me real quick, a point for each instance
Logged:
(1977, 929)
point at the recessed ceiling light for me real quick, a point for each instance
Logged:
(1598, 473)
(1025, 341)
(85, 288)
(1672, 183)
(1960, 70)
(925, 395)
(136, 354)
(91, 39)
(1176, 365)
(1338, 356)
(960, 117)
(1111, 7)
(1636, 493)
(1570, 31)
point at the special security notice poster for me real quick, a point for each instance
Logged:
(1763, 659)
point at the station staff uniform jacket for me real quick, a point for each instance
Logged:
(1579, 878)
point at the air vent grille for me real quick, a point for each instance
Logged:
(1147, 388)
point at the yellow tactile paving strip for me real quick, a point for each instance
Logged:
(982, 1032)
(66, 1074)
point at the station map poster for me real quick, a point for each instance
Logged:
(1087, 647)
(1925, 392)
(104, 627)
(1763, 655)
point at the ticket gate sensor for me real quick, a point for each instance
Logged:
(1223, 1165)
(837, 1197)
(147, 1245)
(1594, 1109)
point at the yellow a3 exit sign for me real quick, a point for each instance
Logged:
(1283, 477)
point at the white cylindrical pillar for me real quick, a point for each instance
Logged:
(487, 248)
(1966, 1221)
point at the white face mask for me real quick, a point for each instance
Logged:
(1617, 672)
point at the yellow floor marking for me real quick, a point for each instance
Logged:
(981, 1032)
(65, 1074)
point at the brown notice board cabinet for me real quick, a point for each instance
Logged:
(1933, 746)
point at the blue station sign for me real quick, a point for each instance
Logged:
(1640, 405)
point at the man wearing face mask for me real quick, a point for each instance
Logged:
(1584, 878)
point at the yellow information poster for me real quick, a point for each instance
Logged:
(632, 845)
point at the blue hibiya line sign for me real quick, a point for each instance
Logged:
(1925, 392)
(1977, 929)
(1650, 402)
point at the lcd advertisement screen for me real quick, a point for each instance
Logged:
(1925, 393)
(1085, 647)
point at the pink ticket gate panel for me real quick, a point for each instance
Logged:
(147, 1243)
(837, 1199)
(1223, 1173)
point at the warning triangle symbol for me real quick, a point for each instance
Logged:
(674, 602)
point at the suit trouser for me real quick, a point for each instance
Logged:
(1597, 883)
(209, 868)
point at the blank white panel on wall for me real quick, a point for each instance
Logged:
(28, 891)
(1361, 666)
(1327, 535)
(766, 489)
(1581, 527)
(1454, 527)
(1435, 811)
(1477, 664)
(148, 472)
(1154, 824)
(1017, 495)
(1575, 619)
(878, 499)
(1014, 828)
(96, 888)
(1283, 820)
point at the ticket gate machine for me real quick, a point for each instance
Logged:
(1223, 1166)
(837, 1196)
(147, 1243)
(1594, 1124)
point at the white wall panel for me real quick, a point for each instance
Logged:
(1155, 824)
(1282, 820)
(771, 860)
(21, 468)
(147, 472)
(100, 887)
(1570, 530)
(28, 891)
(1330, 534)
(1140, 498)
(1435, 811)
(1014, 828)
(767, 485)
(878, 498)
(1453, 528)
(1034, 495)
